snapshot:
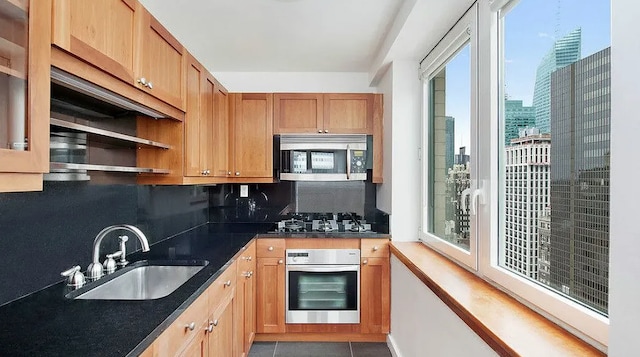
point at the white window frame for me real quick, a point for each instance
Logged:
(487, 78)
(458, 37)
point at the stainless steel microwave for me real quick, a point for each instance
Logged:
(325, 157)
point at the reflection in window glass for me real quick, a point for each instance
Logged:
(555, 153)
(450, 150)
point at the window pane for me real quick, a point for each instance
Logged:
(449, 148)
(555, 153)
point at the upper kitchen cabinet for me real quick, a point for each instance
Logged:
(252, 136)
(160, 62)
(298, 113)
(119, 46)
(348, 113)
(102, 33)
(221, 153)
(24, 89)
(323, 113)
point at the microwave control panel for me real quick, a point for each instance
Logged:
(358, 161)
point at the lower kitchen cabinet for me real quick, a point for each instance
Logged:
(199, 347)
(222, 330)
(270, 295)
(245, 312)
(375, 286)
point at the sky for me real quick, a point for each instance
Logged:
(531, 28)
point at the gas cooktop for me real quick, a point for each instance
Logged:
(323, 223)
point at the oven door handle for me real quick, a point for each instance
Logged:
(323, 268)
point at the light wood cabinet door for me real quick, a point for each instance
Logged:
(348, 113)
(199, 347)
(222, 330)
(270, 295)
(160, 63)
(179, 334)
(25, 53)
(252, 135)
(298, 113)
(246, 311)
(221, 165)
(193, 123)
(102, 33)
(374, 295)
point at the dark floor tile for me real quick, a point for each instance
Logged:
(370, 349)
(313, 349)
(262, 349)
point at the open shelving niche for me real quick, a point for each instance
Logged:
(98, 135)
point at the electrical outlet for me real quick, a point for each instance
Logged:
(244, 190)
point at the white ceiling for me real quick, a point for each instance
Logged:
(279, 35)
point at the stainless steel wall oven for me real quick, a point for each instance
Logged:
(323, 286)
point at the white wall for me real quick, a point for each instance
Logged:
(624, 266)
(422, 325)
(309, 82)
(403, 104)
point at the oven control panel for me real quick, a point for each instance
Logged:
(323, 256)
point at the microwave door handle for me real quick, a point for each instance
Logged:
(348, 162)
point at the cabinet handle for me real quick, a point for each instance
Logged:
(227, 283)
(190, 326)
(228, 172)
(237, 173)
(365, 262)
(270, 249)
(326, 130)
(215, 322)
(280, 261)
(247, 274)
(143, 81)
(375, 248)
(320, 131)
(150, 85)
(210, 327)
(247, 258)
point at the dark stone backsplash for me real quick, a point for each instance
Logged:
(44, 233)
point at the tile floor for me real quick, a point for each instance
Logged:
(319, 349)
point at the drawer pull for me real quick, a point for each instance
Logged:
(365, 262)
(215, 322)
(227, 283)
(375, 248)
(280, 261)
(190, 326)
(210, 327)
(270, 249)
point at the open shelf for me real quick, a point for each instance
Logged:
(15, 9)
(91, 167)
(106, 136)
(12, 72)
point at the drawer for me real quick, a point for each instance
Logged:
(270, 248)
(374, 248)
(178, 334)
(247, 258)
(222, 286)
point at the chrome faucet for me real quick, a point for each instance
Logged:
(95, 269)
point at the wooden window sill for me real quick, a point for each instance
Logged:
(506, 325)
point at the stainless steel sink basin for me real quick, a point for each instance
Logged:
(143, 280)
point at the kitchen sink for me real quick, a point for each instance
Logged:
(143, 280)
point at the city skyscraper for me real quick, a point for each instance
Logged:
(563, 52)
(580, 126)
(457, 224)
(527, 194)
(450, 137)
(516, 117)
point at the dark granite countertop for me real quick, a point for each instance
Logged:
(46, 323)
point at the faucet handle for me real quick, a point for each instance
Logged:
(110, 263)
(123, 250)
(75, 278)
